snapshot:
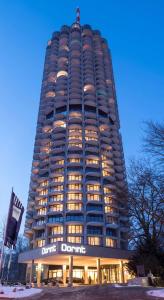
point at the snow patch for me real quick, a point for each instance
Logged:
(17, 292)
(156, 293)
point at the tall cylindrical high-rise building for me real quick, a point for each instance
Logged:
(78, 164)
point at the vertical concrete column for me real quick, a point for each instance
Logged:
(70, 270)
(122, 272)
(39, 272)
(31, 272)
(86, 274)
(64, 274)
(98, 271)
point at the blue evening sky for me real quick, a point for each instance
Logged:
(134, 30)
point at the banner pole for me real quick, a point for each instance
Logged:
(3, 255)
(9, 264)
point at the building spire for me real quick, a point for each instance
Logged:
(78, 15)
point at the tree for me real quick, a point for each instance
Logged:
(154, 141)
(146, 211)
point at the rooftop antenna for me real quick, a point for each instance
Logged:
(78, 15)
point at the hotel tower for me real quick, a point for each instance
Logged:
(76, 220)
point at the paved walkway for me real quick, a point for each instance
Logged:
(94, 293)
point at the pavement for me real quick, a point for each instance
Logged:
(96, 292)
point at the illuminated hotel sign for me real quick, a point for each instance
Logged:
(47, 250)
(64, 248)
(73, 249)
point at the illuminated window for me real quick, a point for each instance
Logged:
(75, 130)
(106, 173)
(105, 164)
(74, 196)
(111, 220)
(62, 73)
(59, 179)
(50, 94)
(42, 202)
(75, 114)
(92, 161)
(107, 200)
(74, 177)
(104, 127)
(56, 207)
(111, 243)
(44, 183)
(56, 198)
(59, 162)
(74, 239)
(109, 209)
(74, 160)
(60, 123)
(74, 229)
(74, 186)
(43, 192)
(91, 197)
(56, 239)
(42, 211)
(92, 132)
(57, 188)
(93, 240)
(40, 243)
(91, 138)
(74, 206)
(72, 137)
(55, 273)
(56, 230)
(89, 88)
(107, 190)
(78, 145)
(93, 187)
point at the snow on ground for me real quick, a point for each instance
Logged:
(156, 293)
(8, 292)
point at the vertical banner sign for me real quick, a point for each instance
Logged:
(15, 214)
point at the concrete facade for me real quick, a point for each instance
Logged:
(78, 166)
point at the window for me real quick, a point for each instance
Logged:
(106, 173)
(91, 138)
(74, 239)
(93, 197)
(74, 186)
(93, 187)
(59, 179)
(42, 211)
(75, 130)
(43, 192)
(109, 209)
(108, 200)
(55, 219)
(93, 240)
(78, 145)
(111, 243)
(40, 243)
(57, 188)
(92, 161)
(74, 206)
(56, 207)
(59, 162)
(60, 123)
(72, 137)
(72, 196)
(89, 88)
(56, 198)
(107, 190)
(42, 201)
(56, 239)
(75, 114)
(95, 230)
(74, 229)
(56, 230)
(50, 94)
(62, 73)
(74, 160)
(74, 177)
(44, 183)
(74, 217)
